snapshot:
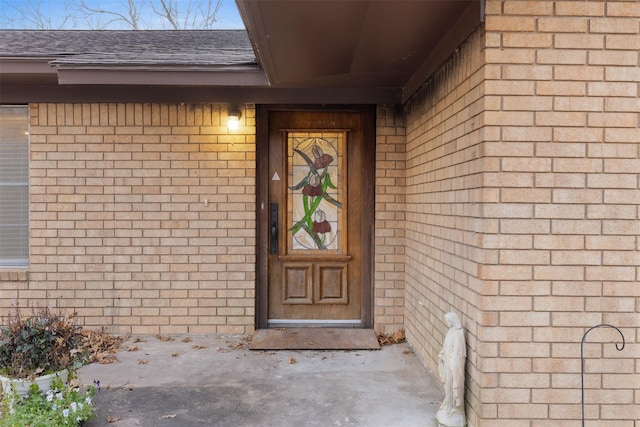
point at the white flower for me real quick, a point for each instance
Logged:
(49, 397)
(60, 396)
(54, 407)
(65, 413)
(88, 400)
(74, 406)
(80, 405)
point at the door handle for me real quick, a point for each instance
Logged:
(273, 228)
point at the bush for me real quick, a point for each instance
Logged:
(40, 344)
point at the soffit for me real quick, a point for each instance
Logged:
(360, 43)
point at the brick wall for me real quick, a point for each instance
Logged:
(522, 212)
(444, 196)
(562, 163)
(390, 216)
(142, 218)
(120, 231)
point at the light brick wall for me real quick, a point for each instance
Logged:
(390, 219)
(120, 232)
(522, 212)
(142, 218)
(444, 196)
(562, 116)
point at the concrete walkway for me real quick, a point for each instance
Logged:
(217, 381)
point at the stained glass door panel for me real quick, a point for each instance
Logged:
(316, 181)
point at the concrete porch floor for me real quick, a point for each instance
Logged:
(216, 381)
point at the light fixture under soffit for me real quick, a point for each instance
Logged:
(233, 117)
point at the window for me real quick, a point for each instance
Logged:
(14, 186)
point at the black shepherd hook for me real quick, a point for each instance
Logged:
(619, 348)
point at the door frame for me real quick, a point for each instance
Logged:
(262, 203)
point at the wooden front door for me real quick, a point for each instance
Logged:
(315, 214)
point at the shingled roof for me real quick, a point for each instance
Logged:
(130, 48)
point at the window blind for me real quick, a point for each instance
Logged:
(14, 186)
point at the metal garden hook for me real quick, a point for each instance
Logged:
(619, 348)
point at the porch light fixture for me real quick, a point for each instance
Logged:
(233, 117)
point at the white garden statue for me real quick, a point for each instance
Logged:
(451, 363)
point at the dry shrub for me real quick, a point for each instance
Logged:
(39, 344)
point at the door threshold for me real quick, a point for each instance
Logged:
(313, 323)
(314, 339)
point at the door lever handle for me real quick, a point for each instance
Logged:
(273, 228)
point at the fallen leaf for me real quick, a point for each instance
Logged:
(399, 336)
(238, 346)
(127, 387)
(168, 416)
(198, 346)
(408, 352)
(292, 360)
(132, 348)
(164, 338)
(101, 346)
(186, 339)
(142, 361)
(175, 354)
(106, 359)
(223, 350)
(112, 419)
(389, 339)
(139, 340)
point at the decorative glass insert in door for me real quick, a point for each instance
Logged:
(316, 186)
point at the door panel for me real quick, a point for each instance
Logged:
(318, 173)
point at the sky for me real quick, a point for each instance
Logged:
(68, 14)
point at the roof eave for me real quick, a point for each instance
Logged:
(24, 65)
(161, 76)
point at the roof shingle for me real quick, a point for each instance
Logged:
(130, 48)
